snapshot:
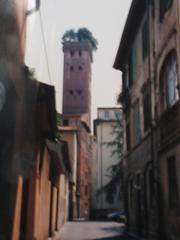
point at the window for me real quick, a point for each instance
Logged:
(86, 190)
(145, 39)
(80, 53)
(151, 187)
(168, 82)
(72, 53)
(65, 122)
(125, 79)
(80, 68)
(172, 182)
(71, 92)
(106, 114)
(132, 66)
(79, 92)
(117, 115)
(131, 193)
(153, 7)
(147, 107)
(163, 7)
(128, 141)
(136, 123)
(71, 68)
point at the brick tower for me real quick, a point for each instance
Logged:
(77, 80)
(77, 113)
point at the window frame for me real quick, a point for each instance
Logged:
(145, 39)
(164, 6)
(167, 83)
(147, 106)
(136, 122)
(173, 195)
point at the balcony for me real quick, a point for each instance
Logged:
(169, 125)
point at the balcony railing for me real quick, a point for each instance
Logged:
(169, 125)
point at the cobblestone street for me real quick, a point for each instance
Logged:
(81, 230)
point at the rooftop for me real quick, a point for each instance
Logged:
(134, 18)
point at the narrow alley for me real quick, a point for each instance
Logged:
(87, 230)
(90, 120)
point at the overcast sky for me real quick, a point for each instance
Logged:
(104, 18)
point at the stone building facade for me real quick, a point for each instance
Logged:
(149, 58)
(77, 113)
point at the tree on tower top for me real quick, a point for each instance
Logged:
(82, 35)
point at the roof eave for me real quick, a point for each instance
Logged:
(134, 16)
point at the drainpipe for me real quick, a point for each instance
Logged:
(178, 47)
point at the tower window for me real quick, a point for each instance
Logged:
(80, 68)
(72, 53)
(71, 92)
(71, 68)
(80, 53)
(79, 92)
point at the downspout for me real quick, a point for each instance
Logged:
(178, 48)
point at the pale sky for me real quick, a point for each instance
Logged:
(104, 18)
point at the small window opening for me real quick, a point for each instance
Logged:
(72, 53)
(65, 122)
(71, 68)
(79, 92)
(80, 68)
(80, 53)
(71, 92)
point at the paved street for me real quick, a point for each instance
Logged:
(81, 230)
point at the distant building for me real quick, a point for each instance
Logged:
(149, 58)
(106, 121)
(77, 113)
(69, 134)
(93, 177)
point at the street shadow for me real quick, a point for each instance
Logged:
(115, 229)
(119, 237)
(119, 233)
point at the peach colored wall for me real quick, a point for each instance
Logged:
(17, 212)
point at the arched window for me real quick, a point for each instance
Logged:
(169, 82)
(72, 53)
(164, 6)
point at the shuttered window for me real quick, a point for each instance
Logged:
(132, 66)
(172, 182)
(136, 123)
(169, 82)
(147, 108)
(163, 7)
(145, 39)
